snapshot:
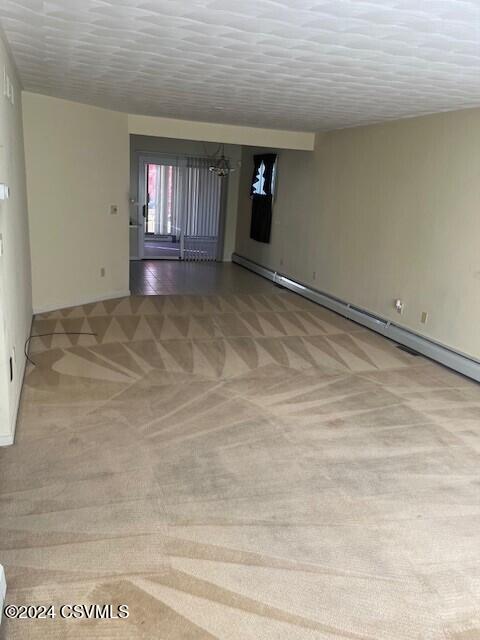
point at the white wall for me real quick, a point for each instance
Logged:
(173, 146)
(380, 212)
(15, 286)
(77, 160)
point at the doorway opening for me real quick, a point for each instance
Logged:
(161, 239)
(183, 206)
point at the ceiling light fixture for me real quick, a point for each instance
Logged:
(221, 166)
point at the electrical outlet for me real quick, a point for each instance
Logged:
(424, 317)
(399, 306)
(113, 209)
(102, 272)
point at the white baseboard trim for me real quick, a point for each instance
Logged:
(440, 353)
(7, 440)
(121, 293)
(3, 590)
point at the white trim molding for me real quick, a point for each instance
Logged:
(3, 590)
(226, 133)
(121, 293)
(440, 353)
(7, 440)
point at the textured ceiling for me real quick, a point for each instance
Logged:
(292, 64)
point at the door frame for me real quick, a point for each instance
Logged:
(143, 158)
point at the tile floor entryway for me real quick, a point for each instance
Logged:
(170, 277)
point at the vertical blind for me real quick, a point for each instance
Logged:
(202, 210)
(187, 198)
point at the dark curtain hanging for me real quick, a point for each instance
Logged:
(261, 223)
(257, 161)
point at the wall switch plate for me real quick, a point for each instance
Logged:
(424, 317)
(4, 192)
(113, 209)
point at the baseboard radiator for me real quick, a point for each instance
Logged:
(452, 359)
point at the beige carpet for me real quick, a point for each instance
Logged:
(241, 467)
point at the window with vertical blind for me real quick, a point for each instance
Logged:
(203, 197)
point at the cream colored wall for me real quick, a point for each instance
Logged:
(15, 285)
(213, 132)
(77, 159)
(173, 146)
(380, 212)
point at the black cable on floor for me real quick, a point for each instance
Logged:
(53, 333)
